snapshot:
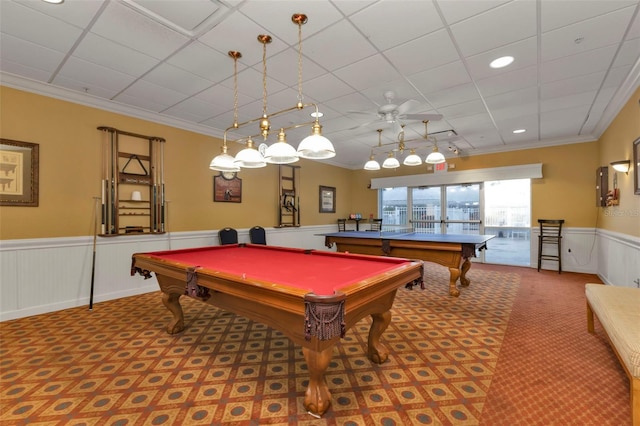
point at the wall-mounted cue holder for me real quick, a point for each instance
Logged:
(132, 187)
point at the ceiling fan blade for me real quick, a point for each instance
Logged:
(362, 112)
(422, 117)
(409, 105)
(359, 126)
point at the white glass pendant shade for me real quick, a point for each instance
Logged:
(281, 152)
(435, 157)
(372, 164)
(391, 162)
(250, 158)
(412, 159)
(224, 162)
(316, 146)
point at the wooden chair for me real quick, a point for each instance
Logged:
(376, 225)
(342, 225)
(257, 235)
(551, 237)
(228, 236)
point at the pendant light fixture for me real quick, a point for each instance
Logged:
(315, 146)
(372, 164)
(225, 162)
(435, 157)
(412, 159)
(391, 162)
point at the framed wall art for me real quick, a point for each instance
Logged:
(327, 199)
(18, 173)
(227, 187)
(636, 163)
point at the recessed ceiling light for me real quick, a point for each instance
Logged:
(316, 114)
(53, 1)
(519, 131)
(501, 62)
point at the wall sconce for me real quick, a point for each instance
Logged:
(621, 166)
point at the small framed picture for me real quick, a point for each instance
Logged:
(18, 173)
(636, 163)
(327, 199)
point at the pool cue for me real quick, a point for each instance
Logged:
(93, 262)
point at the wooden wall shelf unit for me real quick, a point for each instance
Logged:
(132, 183)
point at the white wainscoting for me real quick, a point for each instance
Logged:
(46, 275)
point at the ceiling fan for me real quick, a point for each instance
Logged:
(392, 113)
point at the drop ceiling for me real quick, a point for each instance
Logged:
(576, 63)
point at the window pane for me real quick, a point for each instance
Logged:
(463, 205)
(394, 206)
(426, 211)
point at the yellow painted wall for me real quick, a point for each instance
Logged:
(71, 172)
(71, 164)
(616, 144)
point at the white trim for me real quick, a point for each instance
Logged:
(526, 171)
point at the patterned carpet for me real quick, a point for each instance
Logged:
(116, 365)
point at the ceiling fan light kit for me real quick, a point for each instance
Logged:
(314, 147)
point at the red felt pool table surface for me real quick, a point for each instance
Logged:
(320, 272)
(311, 296)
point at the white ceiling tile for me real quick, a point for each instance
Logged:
(440, 78)
(39, 28)
(222, 95)
(238, 33)
(513, 104)
(454, 11)
(106, 53)
(283, 67)
(122, 25)
(74, 12)
(150, 96)
(324, 47)
(482, 138)
(526, 122)
(25, 71)
(571, 86)
(174, 78)
(569, 101)
(508, 81)
(594, 33)
(186, 14)
(454, 95)
(598, 107)
(29, 55)
(92, 75)
(562, 123)
(524, 52)
(320, 14)
(556, 14)
(205, 62)
(196, 108)
(580, 64)
(250, 84)
(496, 27)
(325, 87)
(89, 89)
(616, 76)
(348, 7)
(367, 72)
(386, 25)
(423, 53)
(473, 123)
(463, 109)
(629, 53)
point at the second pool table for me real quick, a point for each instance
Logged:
(313, 297)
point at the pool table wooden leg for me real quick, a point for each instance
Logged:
(464, 281)
(454, 273)
(376, 351)
(172, 302)
(317, 399)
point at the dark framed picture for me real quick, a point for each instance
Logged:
(227, 188)
(636, 164)
(327, 199)
(18, 173)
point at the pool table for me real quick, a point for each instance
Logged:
(311, 296)
(450, 250)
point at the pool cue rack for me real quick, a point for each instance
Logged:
(288, 199)
(132, 187)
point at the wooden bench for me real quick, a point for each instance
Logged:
(618, 310)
